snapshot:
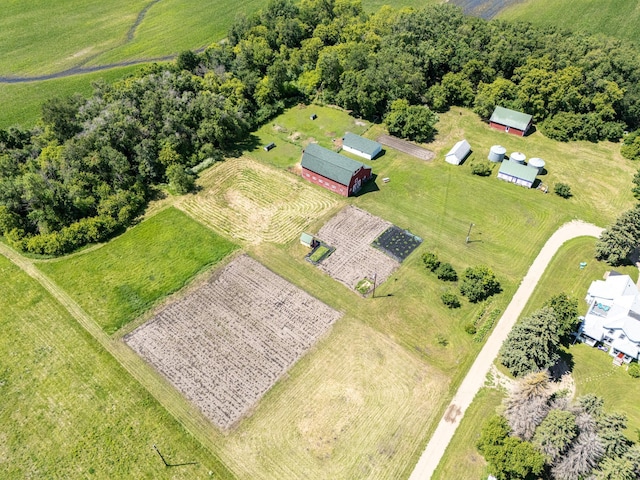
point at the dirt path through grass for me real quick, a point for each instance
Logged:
(477, 373)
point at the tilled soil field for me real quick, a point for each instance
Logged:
(351, 233)
(486, 9)
(228, 342)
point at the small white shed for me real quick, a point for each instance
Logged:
(363, 147)
(458, 153)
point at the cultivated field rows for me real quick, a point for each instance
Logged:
(351, 232)
(254, 203)
(226, 343)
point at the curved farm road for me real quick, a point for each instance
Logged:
(477, 373)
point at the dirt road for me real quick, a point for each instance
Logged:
(477, 373)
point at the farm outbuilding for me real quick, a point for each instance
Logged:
(458, 153)
(510, 121)
(522, 175)
(363, 147)
(333, 171)
(307, 240)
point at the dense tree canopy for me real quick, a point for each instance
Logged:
(91, 165)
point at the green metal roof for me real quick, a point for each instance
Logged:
(511, 118)
(360, 143)
(330, 164)
(306, 238)
(517, 170)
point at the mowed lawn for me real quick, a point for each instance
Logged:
(68, 409)
(616, 18)
(121, 279)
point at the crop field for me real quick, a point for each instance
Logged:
(228, 342)
(121, 279)
(251, 202)
(69, 410)
(354, 408)
(486, 9)
(351, 233)
(616, 18)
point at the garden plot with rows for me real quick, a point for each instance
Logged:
(230, 340)
(355, 261)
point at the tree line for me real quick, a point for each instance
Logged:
(90, 166)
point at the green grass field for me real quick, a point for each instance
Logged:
(616, 18)
(119, 280)
(69, 410)
(22, 102)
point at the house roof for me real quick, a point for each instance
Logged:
(460, 149)
(517, 170)
(330, 164)
(511, 118)
(613, 287)
(360, 143)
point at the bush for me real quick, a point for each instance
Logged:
(431, 261)
(482, 169)
(451, 300)
(442, 340)
(470, 328)
(634, 370)
(479, 283)
(562, 190)
(446, 272)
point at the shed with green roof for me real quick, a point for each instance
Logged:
(363, 147)
(513, 172)
(333, 171)
(510, 121)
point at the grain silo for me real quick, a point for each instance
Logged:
(518, 157)
(537, 163)
(496, 153)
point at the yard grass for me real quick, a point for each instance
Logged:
(294, 130)
(616, 18)
(118, 281)
(462, 460)
(22, 102)
(69, 410)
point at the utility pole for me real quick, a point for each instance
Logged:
(469, 232)
(373, 294)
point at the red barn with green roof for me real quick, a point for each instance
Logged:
(510, 121)
(333, 171)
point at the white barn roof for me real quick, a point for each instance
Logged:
(458, 153)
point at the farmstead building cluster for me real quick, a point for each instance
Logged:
(333, 171)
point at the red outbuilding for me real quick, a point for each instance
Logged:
(510, 121)
(333, 171)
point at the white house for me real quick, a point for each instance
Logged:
(363, 147)
(613, 317)
(458, 153)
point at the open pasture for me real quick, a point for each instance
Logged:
(119, 280)
(351, 233)
(69, 410)
(228, 342)
(251, 202)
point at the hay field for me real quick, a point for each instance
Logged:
(253, 203)
(68, 409)
(355, 408)
(229, 341)
(121, 279)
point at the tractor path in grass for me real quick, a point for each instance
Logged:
(477, 373)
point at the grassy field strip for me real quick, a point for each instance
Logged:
(251, 202)
(165, 394)
(359, 417)
(120, 280)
